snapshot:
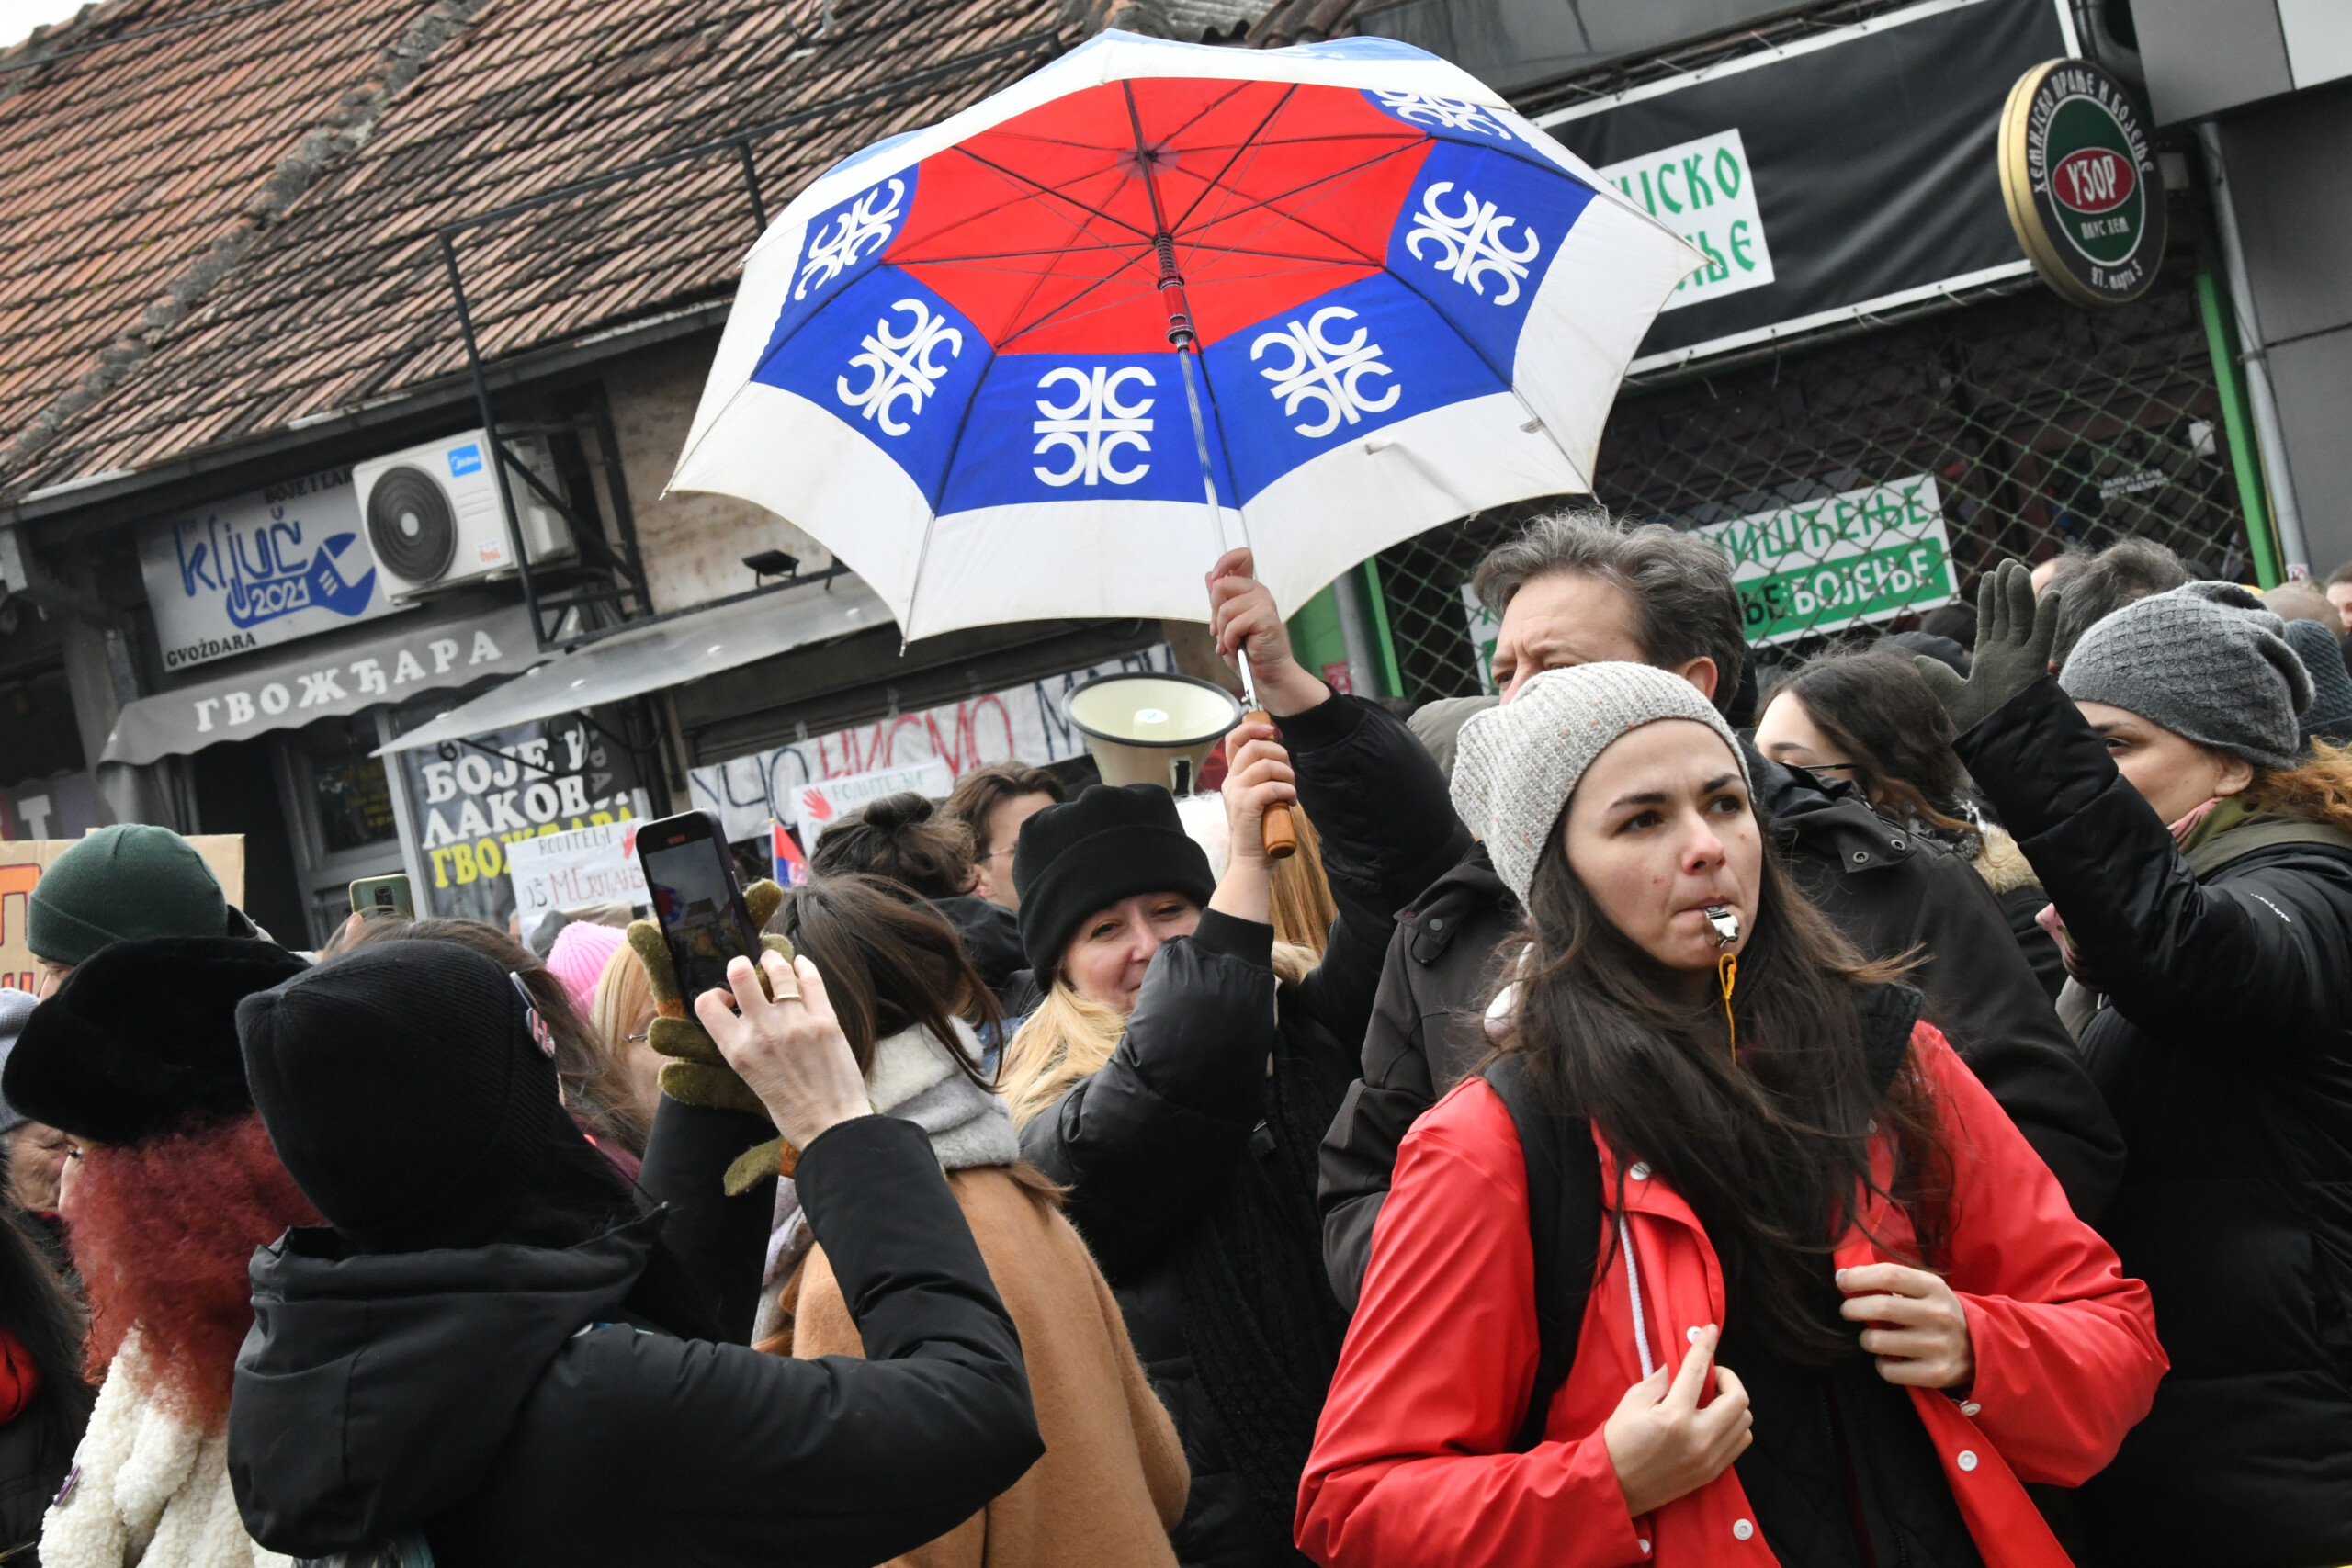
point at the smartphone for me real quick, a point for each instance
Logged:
(385, 895)
(692, 878)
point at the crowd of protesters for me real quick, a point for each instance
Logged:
(1902, 1114)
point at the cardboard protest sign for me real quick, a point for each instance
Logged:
(563, 871)
(22, 860)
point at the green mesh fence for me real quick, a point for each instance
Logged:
(1858, 483)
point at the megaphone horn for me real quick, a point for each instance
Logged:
(1154, 729)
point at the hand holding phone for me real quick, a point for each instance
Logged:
(703, 922)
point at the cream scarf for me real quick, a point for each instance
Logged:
(912, 1078)
(147, 1489)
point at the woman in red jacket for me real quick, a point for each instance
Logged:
(1842, 1310)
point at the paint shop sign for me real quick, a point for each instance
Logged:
(471, 800)
(1866, 555)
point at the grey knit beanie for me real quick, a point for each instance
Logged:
(2206, 661)
(1515, 766)
(2329, 718)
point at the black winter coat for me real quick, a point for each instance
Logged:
(509, 1404)
(1190, 1156)
(2225, 1048)
(1889, 891)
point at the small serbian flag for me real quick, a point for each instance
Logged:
(791, 867)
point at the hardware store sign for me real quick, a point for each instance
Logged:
(260, 569)
(1822, 566)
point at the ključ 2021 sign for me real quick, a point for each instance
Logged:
(1821, 566)
(260, 569)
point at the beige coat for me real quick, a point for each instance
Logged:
(1113, 1480)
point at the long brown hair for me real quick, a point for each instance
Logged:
(1772, 1154)
(1879, 711)
(890, 962)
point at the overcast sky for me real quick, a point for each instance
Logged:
(18, 18)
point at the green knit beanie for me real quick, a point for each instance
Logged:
(130, 880)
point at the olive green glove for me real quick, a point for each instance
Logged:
(2014, 634)
(696, 1074)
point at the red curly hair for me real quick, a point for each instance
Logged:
(162, 1231)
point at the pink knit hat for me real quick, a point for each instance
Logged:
(578, 959)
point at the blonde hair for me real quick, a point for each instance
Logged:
(1070, 1038)
(1302, 907)
(2316, 790)
(622, 1004)
(1303, 910)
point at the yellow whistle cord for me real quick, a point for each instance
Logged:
(1727, 972)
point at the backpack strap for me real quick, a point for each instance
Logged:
(2261, 834)
(1564, 1192)
(1564, 1223)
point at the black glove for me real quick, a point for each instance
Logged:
(2013, 638)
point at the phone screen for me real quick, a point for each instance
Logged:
(700, 908)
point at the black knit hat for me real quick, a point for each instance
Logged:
(1111, 843)
(141, 1038)
(410, 1102)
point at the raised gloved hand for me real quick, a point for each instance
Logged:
(2014, 633)
(696, 1074)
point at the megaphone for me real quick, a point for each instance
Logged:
(1154, 729)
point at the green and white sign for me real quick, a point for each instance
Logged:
(2081, 182)
(1705, 191)
(1867, 555)
(1485, 627)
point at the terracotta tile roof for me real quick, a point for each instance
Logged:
(135, 147)
(344, 300)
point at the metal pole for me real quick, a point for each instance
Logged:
(1208, 485)
(2245, 464)
(751, 181)
(490, 433)
(2268, 432)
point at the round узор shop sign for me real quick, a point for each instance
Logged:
(2081, 182)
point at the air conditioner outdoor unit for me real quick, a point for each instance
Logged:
(434, 519)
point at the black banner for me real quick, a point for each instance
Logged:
(1846, 174)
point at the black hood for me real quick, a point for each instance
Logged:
(1830, 820)
(992, 935)
(374, 1390)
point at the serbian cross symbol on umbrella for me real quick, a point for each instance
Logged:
(1001, 367)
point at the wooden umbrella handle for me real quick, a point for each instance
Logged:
(1280, 835)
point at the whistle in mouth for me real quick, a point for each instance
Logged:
(1726, 920)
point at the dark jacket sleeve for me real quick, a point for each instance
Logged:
(1388, 827)
(1895, 895)
(2261, 959)
(738, 1457)
(721, 1241)
(1148, 1143)
(1359, 1152)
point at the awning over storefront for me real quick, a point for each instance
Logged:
(414, 655)
(666, 653)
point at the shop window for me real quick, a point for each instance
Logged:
(348, 789)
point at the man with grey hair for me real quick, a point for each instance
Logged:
(1577, 589)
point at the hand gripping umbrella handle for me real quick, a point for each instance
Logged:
(1280, 835)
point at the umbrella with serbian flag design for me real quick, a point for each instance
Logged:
(1053, 355)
